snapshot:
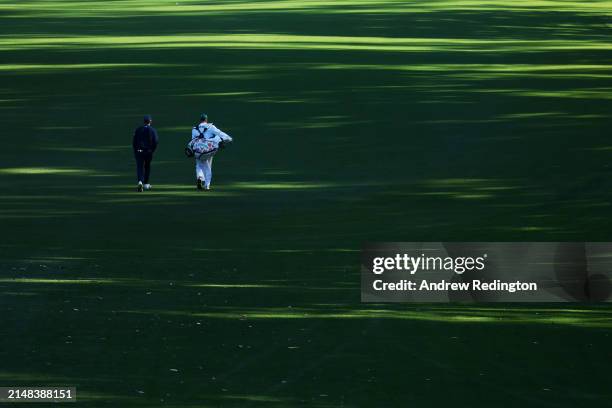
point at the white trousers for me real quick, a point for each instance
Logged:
(204, 169)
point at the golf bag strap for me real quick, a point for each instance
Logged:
(197, 128)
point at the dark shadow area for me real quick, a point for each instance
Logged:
(367, 121)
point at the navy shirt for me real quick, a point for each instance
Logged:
(145, 139)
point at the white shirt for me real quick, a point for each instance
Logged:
(210, 131)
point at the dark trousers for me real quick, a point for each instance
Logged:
(143, 166)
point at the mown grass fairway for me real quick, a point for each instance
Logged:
(354, 121)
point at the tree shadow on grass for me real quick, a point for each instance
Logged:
(352, 124)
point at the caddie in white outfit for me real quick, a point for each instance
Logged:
(206, 140)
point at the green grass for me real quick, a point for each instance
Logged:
(354, 121)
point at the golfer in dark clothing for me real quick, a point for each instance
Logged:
(144, 144)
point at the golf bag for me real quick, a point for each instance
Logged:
(202, 147)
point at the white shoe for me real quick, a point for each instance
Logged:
(139, 187)
(147, 186)
(207, 188)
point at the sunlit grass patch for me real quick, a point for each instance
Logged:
(164, 284)
(33, 68)
(56, 281)
(593, 93)
(512, 68)
(234, 285)
(463, 188)
(44, 171)
(296, 185)
(532, 228)
(458, 316)
(55, 171)
(297, 42)
(81, 9)
(530, 115)
(257, 398)
(222, 94)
